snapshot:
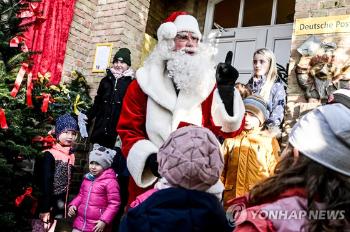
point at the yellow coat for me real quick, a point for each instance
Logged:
(249, 158)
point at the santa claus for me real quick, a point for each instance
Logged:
(175, 87)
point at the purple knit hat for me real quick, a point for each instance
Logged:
(191, 158)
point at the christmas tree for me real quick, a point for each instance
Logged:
(26, 132)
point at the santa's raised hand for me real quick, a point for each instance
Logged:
(226, 74)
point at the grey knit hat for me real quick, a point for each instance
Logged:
(323, 135)
(102, 155)
(256, 105)
(190, 158)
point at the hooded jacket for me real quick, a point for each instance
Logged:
(97, 200)
(177, 209)
(248, 159)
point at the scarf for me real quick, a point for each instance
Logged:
(89, 176)
(128, 72)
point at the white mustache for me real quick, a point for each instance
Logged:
(189, 49)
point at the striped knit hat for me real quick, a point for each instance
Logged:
(257, 106)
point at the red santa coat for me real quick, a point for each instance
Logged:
(152, 110)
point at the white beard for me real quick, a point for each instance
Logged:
(188, 71)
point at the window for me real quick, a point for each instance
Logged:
(226, 14)
(257, 13)
(285, 11)
(230, 14)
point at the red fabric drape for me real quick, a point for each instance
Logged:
(47, 35)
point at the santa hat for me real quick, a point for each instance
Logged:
(177, 22)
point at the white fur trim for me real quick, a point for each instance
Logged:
(158, 122)
(136, 160)
(166, 31)
(153, 82)
(163, 183)
(221, 117)
(217, 189)
(187, 23)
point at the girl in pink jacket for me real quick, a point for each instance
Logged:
(98, 200)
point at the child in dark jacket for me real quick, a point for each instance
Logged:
(55, 172)
(186, 198)
(109, 99)
(98, 199)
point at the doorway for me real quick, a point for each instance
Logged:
(242, 26)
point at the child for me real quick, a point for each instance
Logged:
(269, 86)
(312, 181)
(109, 98)
(251, 156)
(98, 199)
(186, 197)
(55, 171)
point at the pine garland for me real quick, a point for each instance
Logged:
(24, 124)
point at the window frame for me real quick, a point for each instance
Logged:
(211, 8)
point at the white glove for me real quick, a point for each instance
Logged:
(82, 121)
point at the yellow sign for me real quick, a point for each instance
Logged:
(102, 58)
(322, 25)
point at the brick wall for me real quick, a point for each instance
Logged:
(120, 22)
(79, 40)
(296, 103)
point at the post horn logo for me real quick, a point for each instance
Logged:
(236, 214)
